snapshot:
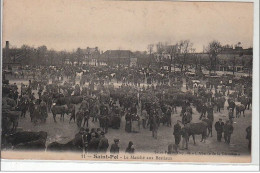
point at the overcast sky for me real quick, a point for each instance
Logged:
(69, 24)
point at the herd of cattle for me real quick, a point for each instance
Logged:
(107, 104)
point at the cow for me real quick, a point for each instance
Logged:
(62, 101)
(27, 140)
(69, 146)
(240, 108)
(62, 110)
(9, 101)
(6, 90)
(12, 116)
(193, 129)
(209, 125)
(76, 99)
(33, 145)
(6, 107)
(6, 124)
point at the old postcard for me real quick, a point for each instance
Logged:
(132, 81)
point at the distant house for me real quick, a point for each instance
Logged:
(133, 62)
(237, 50)
(91, 56)
(88, 56)
(66, 61)
(118, 57)
(237, 58)
(162, 57)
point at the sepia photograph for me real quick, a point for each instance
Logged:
(130, 81)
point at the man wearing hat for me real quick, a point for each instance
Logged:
(219, 128)
(228, 130)
(93, 144)
(79, 139)
(114, 147)
(177, 133)
(103, 143)
(230, 115)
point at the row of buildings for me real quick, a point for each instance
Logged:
(230, 59)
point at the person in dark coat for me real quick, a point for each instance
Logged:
(169, 114)
(88, 138)
(103, 143)
(231, 115)
(73, 112)
(128, 121)
(114, 147)
(219, 128)
(130, 149)
(155, 125)
(203, 110)
(185, 138)
(186, 118)
(177, 133)
(228, 130)
(210, 112)
(79, 139)
(93, 144)
(248, 136)
(133, 109)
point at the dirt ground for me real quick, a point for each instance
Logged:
(143, 141)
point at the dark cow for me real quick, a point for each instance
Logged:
(69, 146)
(209, 126)
(196, 129)
(62, 110)
(62, 101)
(12, 117)
(33, 145)
(239, 109)
(76, 99)
(9, 101)
(28, 140)
(6, 124)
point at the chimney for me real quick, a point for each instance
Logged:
(7, 50)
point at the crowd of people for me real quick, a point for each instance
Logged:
(144, 97)
(94, 141)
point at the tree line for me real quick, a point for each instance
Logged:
(182, 54)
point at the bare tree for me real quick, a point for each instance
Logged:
(41, 54)
(72, 58)
(119, 57)
(213, 49)
(150, 50)
(160, 49)
(185, 47)
(173, 51)
(79, 54)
